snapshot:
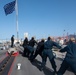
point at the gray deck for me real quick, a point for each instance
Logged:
(2, 54)
(28, 68)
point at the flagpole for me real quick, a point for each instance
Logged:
(16, 8)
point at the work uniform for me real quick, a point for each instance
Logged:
(12, 41)
(30, 47)
(25, 44)
(70, 59)
(39, 50)
(47, 52)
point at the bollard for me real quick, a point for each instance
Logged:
(18, 66)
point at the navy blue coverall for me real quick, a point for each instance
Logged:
(47, 52)
(30, 47)
(12, 41)
(70, 59)
(39, 50)
(25, 44)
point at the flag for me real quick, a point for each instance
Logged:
(9, 8)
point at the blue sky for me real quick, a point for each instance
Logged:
(40, 18)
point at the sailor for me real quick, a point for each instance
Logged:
(25, 44)
(12, 41)
(70, 58)
(30, 47)
(39, 50)
(47, 52)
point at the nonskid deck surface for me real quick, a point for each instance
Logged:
(33, 68)
(29, 68)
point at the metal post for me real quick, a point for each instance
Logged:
(16, 8)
